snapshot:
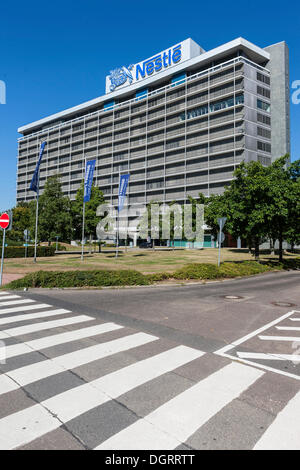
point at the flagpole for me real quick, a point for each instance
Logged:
(36, 216)
(35, 186)
(83, 220)
(117, 237)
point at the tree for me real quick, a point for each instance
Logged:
(247, 202)
(20, 222)
(91, 219)
(293, 229)
(54, 213)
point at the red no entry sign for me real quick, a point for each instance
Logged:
(4, 220)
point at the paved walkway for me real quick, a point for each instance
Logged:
(10, 277)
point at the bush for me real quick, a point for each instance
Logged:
(197, 271)
(134, 278)
(226, 270)
(19, 251)
(80, 279)
(60, 247)
(157, 277)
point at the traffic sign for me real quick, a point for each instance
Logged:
(221, 236)
(4, 221)
(222, 222)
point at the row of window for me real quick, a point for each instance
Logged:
(217, 106)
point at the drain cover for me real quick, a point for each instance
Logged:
(283, 304)
(232, 297)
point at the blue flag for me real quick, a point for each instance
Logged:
(88, 181)
(122, 190)
(34, 185)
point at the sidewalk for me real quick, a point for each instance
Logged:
(10, 277)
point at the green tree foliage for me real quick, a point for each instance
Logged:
(260, 203)
(21, 221)
(91, 219)
(54, 213)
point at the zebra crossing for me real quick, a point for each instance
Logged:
(109, 387)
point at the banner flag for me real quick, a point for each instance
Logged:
(34, 185)
(88, 181)
(122, 190)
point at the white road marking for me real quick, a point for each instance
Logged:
(225, 351)
(280, 338)
(32, 316)
(288, 328)
(23, 309)
(295, 319)
(269, 357)
(174, 422)
(44, 369)
(61, 338)
(8, 297)
(24, 426)
(16, 302)
(46, 325)
(4, 293)
(284, 432)
(251, 335)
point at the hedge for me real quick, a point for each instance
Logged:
(19, 251)
(97, 278)
(81, 279)
(226, 270)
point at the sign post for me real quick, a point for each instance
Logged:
(26, 238)
(221, 236)
(88, 181)
(122, 194)
(4, 223)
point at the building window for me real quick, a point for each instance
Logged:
(263, 91)
(217, 106)
(264, 106)
(264, 146)
(263, 78)
(264, 119)
(266, 133)
(141, 94)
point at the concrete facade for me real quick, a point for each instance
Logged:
(280, 98)
(179, 132)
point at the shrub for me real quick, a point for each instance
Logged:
(81, 279)
(19, 251)
(97, 278)
(197, 271)
(157, 277)
(60, 247)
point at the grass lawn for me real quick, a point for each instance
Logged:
(145, 261)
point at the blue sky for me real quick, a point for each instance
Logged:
(56, 54)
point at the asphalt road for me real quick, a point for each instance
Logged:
(196, 315)
(170, 367)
